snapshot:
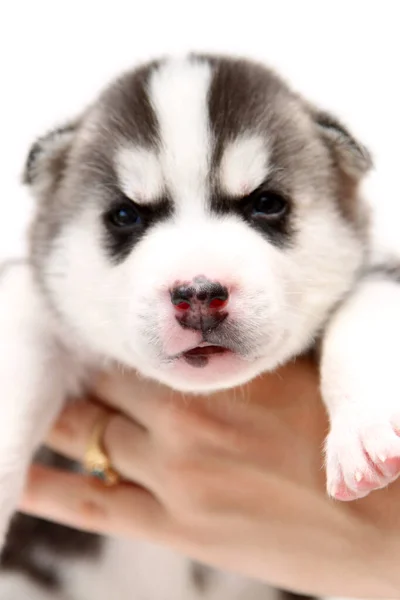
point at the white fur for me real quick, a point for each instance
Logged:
(139, 174)
(361, 388)
(35, 374)
(178, 91)
(244, 165)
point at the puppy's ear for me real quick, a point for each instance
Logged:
(47, 158)
(352, 157)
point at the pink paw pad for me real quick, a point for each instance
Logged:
(366, 482)
(391, 466)
(361, 459)
(342, 492)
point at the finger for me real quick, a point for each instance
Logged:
(153, 405)
(127, 445)
(144, 401)
(139, 399)
(85, 503)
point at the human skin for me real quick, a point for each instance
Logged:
(235, 480)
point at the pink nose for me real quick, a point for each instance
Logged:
(200, 303)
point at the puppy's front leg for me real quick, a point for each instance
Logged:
(360, 374)
(32, 382)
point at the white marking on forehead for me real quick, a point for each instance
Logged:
(244, 165)
(178, 91)
(139, 173)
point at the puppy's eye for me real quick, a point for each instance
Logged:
(124, 216)
(268, 204)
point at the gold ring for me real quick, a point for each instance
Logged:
(96, 461)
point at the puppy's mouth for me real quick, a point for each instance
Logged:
(200, 355)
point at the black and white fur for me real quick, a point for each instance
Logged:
(194, 145)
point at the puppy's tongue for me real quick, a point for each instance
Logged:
(199, 356)
(205, 351)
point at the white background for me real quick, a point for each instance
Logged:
(55, 55)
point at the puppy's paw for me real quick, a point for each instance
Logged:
(362, 454)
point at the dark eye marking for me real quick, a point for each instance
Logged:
(125, 223)
(267, 209)
(124, 216)
(265, 204)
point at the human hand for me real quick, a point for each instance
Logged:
(234, 480)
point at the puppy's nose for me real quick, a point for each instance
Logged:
(211, 295)
(200, 304)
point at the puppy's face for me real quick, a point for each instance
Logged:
(199, 222)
